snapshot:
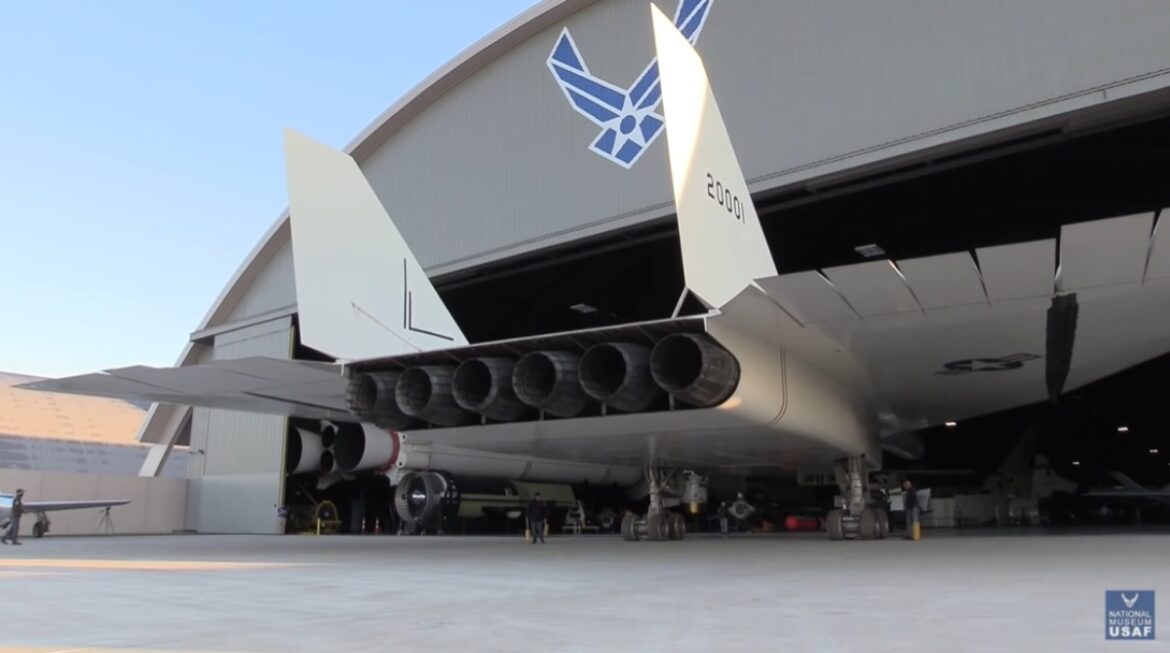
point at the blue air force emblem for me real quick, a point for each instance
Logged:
(627, 117)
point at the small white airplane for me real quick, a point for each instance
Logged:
(818, 371)
(40, 528)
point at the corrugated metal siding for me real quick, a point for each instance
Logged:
(242, 450)
(272, 289)
(72, 456)
(807, 87)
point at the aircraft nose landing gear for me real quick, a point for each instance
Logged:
(857, 519)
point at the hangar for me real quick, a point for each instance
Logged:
(915, 129)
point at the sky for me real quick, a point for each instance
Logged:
(141, 154)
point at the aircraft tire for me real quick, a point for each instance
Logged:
(676, 526)
(834, 522)
(869, 528)
(656, 529)
(629, 527)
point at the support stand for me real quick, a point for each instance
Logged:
(106, 524)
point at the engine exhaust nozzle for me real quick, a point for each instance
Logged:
(424, 392)
(371, 398)
(694, 368)
(484, 386)
(548, 380)
(618, 375)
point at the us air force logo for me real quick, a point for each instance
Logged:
(627, 116)
(1003, 363)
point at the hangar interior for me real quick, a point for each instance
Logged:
(896, 127)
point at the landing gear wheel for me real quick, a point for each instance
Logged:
(835, 524)
(629, 527)
(676, 526)
(869, 529)
(883, 524)
(656, 529)
(38, 530)
(606, 519)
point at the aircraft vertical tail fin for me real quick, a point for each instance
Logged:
(723, 246)
(1126, 481)
(360, 291)
(1023, 452)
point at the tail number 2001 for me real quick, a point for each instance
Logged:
(723, 195)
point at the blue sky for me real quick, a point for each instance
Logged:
(140, 151)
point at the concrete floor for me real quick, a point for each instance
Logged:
(948, 592)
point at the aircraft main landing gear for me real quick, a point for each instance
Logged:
(659, 524)
(856, 520)
(41, 526)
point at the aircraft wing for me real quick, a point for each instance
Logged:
(1133, 490)
(257, 384)
(957, 335)
(50, 506)
(317, 390)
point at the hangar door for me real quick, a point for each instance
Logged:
(236, 458)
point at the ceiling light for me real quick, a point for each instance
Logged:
(1123, 429)
(950, 425)
(583, 308)
(1076, 463)
(869, 250)
(1153, 451)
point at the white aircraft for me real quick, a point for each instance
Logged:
(813, 371)
(41, 526)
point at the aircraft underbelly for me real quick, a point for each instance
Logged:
(702, 439)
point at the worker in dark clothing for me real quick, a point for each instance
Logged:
(537, 512)
(13, 532)
(722, 513)
(910, 505)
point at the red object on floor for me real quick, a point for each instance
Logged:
(796, 523)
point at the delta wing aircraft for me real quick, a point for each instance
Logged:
(816, 370)
(39, 508)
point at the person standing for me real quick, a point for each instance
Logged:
(13, 532)
(722, 512)
(910, 506)
(537, 512)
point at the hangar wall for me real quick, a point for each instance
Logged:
(273, 290)
(236, 458)
(156, 504)
(500, 164)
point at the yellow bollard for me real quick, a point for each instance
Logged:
(917, 531)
